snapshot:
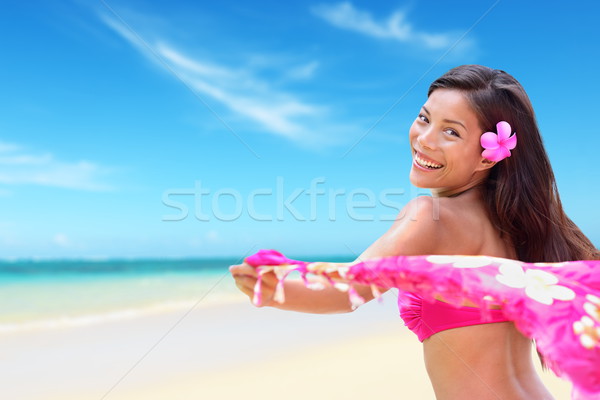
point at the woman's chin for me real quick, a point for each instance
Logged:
(418, 181)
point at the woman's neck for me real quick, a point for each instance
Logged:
(454, 192)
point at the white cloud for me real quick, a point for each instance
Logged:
(61, 240)
(125, 32)
(25, 159)
(305, 71)
(8, 147)
(242, 93)
(396, 27)
(196, 67)
(241, 90)
(18, 167)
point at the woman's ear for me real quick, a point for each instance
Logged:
(485, 164)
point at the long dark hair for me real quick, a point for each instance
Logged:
(520, 193)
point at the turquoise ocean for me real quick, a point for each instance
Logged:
(62, 293)
(49, 294)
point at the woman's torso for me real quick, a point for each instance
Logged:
(490, 361)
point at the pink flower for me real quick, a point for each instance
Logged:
(498, 147)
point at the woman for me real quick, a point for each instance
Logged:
(481, 204)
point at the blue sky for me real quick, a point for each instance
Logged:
(118, 115)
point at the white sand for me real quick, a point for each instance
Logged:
(224, 352)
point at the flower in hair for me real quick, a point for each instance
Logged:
(498, 147)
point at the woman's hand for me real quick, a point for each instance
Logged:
(245, 277)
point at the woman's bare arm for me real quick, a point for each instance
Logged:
(298, 297)
(416, 231)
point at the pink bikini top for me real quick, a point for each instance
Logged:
(425, 318)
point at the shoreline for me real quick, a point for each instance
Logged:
(65, 305)
(62, 322)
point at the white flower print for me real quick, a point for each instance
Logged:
(462, 261)
(592, 306)
(539, 285)
(588, 332)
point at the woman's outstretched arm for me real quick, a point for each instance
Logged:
(298, 297)
(414, 232)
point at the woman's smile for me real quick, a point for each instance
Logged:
(425, 163)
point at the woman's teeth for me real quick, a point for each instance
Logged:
(427, 164)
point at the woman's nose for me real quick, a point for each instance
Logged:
(426, 139)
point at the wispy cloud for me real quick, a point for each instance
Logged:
(7, 147)
(17, 166)
(246, 95)
(305, 71)
(395, 27)
(243, 92)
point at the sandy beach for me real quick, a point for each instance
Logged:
(225, 351)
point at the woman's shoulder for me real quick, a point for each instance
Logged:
(439, 225)
(417, 229)
(427, 225)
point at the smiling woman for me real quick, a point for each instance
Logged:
(484, 202)
(445, 143)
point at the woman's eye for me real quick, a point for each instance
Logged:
(423, 118)
(452, 132)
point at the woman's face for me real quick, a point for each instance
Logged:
(445, 145)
